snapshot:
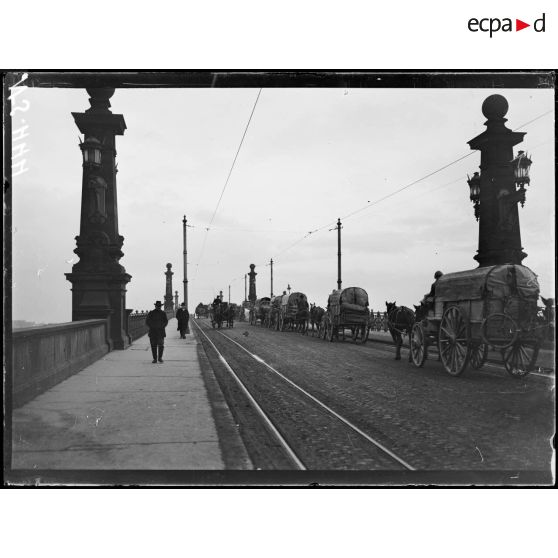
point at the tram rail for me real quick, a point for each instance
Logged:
(295, 459)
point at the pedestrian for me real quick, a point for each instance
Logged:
(182, 316)
(157, 321)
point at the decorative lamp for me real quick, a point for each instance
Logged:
(91, 149)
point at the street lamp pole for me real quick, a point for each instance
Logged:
(185, 255)
(339, 254)
(271, 265)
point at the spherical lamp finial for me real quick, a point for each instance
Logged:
(495, 107)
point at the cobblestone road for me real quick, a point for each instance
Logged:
(483, 420)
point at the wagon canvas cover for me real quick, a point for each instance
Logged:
(352, 302)
(492, 281)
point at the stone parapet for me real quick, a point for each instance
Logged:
(45, 356)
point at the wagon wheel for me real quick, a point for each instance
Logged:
(520, 358)
(419, 346)
(359, 334)
(499, 330)
(479, 354)
(453, 341)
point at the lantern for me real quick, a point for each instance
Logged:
(474, 186)
(521, 165)
(91, 149)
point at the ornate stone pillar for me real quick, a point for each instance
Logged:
(499, 233)
(252, 291)
(98, 280)
(168, 292)
(175, 300)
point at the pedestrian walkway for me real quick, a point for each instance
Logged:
(123, 412)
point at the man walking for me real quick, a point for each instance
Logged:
(157, 321)
(182, 317)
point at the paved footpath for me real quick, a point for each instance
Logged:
(123, 412)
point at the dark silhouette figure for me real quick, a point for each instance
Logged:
(157, 321)
(182, 317)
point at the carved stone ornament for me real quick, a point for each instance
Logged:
(96, 196)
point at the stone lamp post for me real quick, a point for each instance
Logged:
(98, 280)
(499, 188)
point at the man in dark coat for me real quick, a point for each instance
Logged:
(182, 317)
(428, 299)
(157, 321)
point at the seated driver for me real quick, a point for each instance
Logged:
(428, 299)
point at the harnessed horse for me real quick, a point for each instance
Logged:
(316, 315)
(400, 322)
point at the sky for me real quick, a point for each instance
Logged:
(309, 157)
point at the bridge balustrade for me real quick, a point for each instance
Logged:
(378, 321)
(46, 355)
(136, 324)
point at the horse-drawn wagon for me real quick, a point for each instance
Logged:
(294, 312)
(493, 306)
(347, 309)
(272, 320)
(217, 315)
(259, 311)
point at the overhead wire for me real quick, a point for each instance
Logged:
(369, 204)
(398, 191)
(226, 183)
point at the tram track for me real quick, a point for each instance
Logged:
(323, 426)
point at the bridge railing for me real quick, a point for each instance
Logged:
(44, 356)
(378, 321)
(136, 324)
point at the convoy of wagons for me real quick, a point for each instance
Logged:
(472, 311)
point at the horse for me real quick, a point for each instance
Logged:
(548, 317)
(400, 322)
(217, 312)
(421, 311)
(316, 315)
(301, 320)
(200, 311)
(230, 316)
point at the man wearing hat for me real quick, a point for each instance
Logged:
(428, 299)
(157, 321)
(182, 317)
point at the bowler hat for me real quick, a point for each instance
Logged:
(158, 303)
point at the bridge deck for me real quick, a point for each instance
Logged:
(123, 412)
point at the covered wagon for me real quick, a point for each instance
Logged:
(260, 310)
(347, 309)
(493, 306)
(295, 312)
